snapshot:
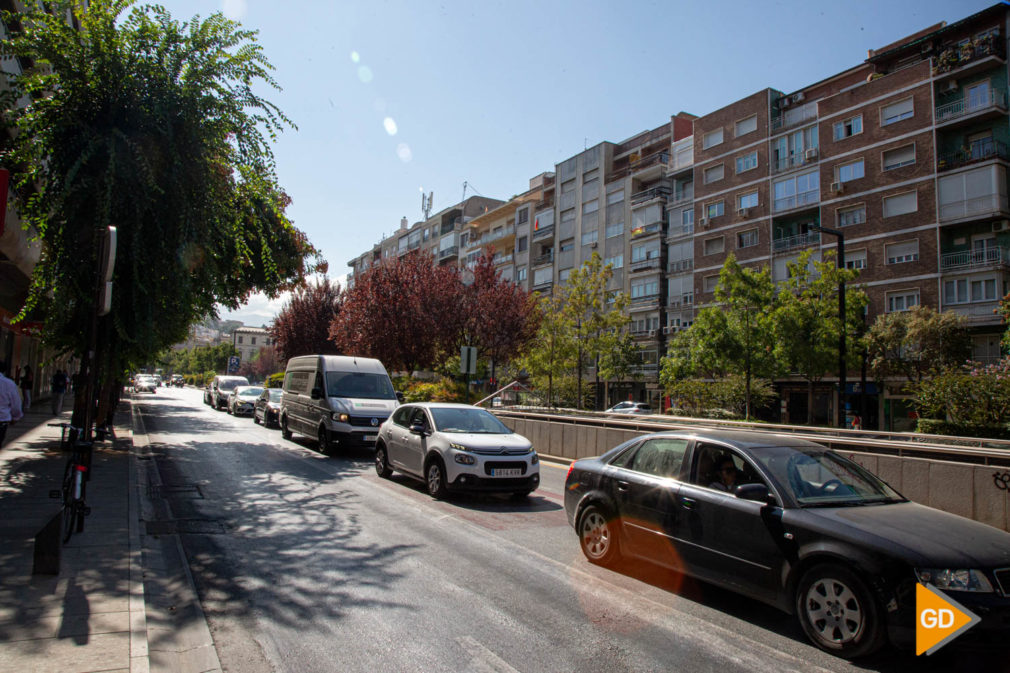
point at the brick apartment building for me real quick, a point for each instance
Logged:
(906, 153)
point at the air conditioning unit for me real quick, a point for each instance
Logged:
(836, 187)
(652, 333)
(949, 86)
(798, 96)
(702, 221)
(1001, 225)
(593, 245)
(810, 154)
(743, 212)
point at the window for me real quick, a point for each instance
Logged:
(252, 341)
(568, 215)
(900, 204)
(714, 246)
(687, 217)
(850, 216)
(715, 209)
(656, 457)
(590, 206)
(566, 245)
(710, 283)
(895, 112)
(589, 176)
(644, 251)
(590, 237)
(964, 290)
(746, 162)
(747, 239)
(898, 253)
(711, 139)
(745, 126)
(902, 300)
(848, 127)
(240, 339)
(850, 171)
(713, 174)
(523, 216)
(520, 273)
(902, 156)
(615, 262)
(855, 259)
(522, 244)
(615, 229)
(563, 275)
(424, 235)
(615, 197)
(796, 191)
(542, 276)
(647, 288)
(748, 200)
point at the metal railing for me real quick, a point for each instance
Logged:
(644, 264)
(956, 56)
(680, 230)
(546, 258)
(979, 150)
(797, 201)
(981, 205)
(797, 241)
(793, 116)
(681, 301)
(680, 266)
(543, 232)
(978, 313)
(974, 259)
(646, 229)
(649, 195)
(793, 160)
(995, 100)
(681, 199)
(449, 252)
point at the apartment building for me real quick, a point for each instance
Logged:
(905, 154)
(248, 341)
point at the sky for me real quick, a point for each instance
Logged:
(395, 98)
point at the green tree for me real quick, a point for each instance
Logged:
(806, 321)
(153, 126)
(552, 355)
(917, 343)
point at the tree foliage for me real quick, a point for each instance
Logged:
(153, 126)
(197, 360)
(302, 327)
(969, 395)
(917, 343)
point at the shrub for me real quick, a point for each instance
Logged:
(275, 380)
(933, 426)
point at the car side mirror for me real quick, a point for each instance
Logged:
(316, 394)
(755, 492)
(399, 397)
(418, 429)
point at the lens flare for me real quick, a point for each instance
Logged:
(390, 125)
(403, 151)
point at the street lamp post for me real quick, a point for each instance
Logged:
(841, 317)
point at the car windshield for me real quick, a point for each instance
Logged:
(468, 420)
(817, 477)
(228, 385)
(359, 385)
(251, 393)
(275, 394)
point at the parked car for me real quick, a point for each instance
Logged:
(144, 384)
(456, 447)
(336, 398)
(790, 523)
(178, 381)
(630, 408)
(216, 394)
(242, 399)
(157, 379)
(267, 408)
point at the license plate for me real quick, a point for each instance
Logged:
(507, 472)
(371, 438)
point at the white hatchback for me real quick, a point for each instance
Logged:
(456, 447)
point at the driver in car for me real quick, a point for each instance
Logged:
(725, 475)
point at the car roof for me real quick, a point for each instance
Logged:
(740, 439)
(442, 405)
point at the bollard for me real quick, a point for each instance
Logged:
(47, 548)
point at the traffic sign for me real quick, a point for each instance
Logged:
(233, 363)
(468, 360)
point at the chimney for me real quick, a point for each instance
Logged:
(403, 224)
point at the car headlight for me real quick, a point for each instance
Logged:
(535, 459)
(342, 418)
(465, 459)
(458, 447)
(955, 580)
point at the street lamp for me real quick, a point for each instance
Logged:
(841, 317)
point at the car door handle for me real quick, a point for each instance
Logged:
(623, 486)
(688, 503)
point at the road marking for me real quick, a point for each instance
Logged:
(483, 658)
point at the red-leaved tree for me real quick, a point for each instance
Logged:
(303, 325)
(404, 311)
(262, 365)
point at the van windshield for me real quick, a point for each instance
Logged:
(359, 385)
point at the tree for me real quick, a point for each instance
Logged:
(403, 311)
(806, 321)
(552, 355)
(303, 325)
(140, 122)
(263, 364)
(917, 343)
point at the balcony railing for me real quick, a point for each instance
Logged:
(680, 230)
(799, 241)
(957, 56)
(502, 259)
(975, 259)
(969, 105)
(546, 258)
(448, 252)
(793, 116)
(645, 370)
(797, 201)
(680, 266)
(543, 232)
(681, 199)
(680, 301)
(644, 264)
(979, 150)
(645, 299)
(649, 195)
(794, 160)
(646, 229)
(989, 204)
(976, 314)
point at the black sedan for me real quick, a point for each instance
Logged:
(267, 408)
(790, 523)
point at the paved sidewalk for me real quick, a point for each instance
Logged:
(123, 600)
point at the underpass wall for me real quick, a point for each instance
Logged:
(974, 491)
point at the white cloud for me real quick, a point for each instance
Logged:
(234, 9)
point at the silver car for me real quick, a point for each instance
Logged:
(242, 399)
(456, 447)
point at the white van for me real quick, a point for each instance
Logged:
(336, 398)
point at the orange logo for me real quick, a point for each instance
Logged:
(939, 619)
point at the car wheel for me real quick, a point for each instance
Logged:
(598, 536)
(435, 479)
(381, 462)
(285, 431)
(256, 419)
(230, 409)
(323, 439)
(837, 611)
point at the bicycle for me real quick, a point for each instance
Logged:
(75, 507)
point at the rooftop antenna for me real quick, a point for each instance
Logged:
(464, 191)
(426, 203)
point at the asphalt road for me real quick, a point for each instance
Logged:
(306, 562)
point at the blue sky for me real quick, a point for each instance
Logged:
(394, 97)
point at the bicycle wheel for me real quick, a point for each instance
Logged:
(69, 520)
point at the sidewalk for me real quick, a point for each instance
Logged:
(123, 600)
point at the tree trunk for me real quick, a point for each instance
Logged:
(810, 402)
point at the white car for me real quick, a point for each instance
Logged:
(456, 447)
(630, 408)
(145, 384)
(242, 399)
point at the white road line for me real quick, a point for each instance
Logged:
(484, 660)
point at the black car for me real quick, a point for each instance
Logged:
(268, 407)
(793, 524)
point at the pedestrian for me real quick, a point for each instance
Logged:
(59, 390)
(26, 387)
(857, 422)
(10, 403)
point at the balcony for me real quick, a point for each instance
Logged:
(681, 301)
(989, 103)
(544, 232)
(981, 206)
(978, 151)
(660, 192)
(975, 259)
(502, 259)
(448, 252)
(963, 57)
(982, 313)
(793, 116)
(806, 240)
(681, 199)
(645, 300)
(647, 230)
(546, 258)
(795, 160)
(680, 266)
(544, 286)
(809, 198)
(644, 264)
(645, 370)
(679, 230)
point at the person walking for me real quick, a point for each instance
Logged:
(59, 390)
(26, 387)
(10, 403)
